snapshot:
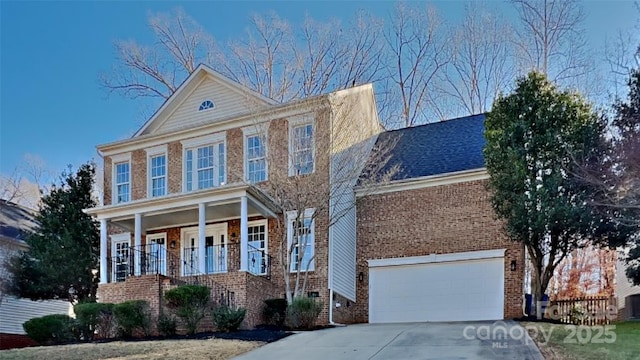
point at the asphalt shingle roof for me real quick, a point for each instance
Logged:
(15, 220)
(435, 148)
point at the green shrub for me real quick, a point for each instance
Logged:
(132, 317)
(303, 313)
(228, 319)
(167, 325)
(189, 302)
(275, 311)
(89, 317)
(50, 329)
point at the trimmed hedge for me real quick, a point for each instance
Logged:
(167, 325)
(228, 319)
(190, 303)
(274, 311)
(132, 317)
(50, 329)
(303, 313)
(90, 318)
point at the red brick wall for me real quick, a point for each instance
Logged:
(443, 219)
(14, 341)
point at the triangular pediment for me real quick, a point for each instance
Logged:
(205, 97)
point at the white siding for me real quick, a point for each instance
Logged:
(354, 129)
(624, 288)
(15, 312)
(228, 103)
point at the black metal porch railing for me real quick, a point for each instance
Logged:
(215, 260)
(153, 260)
(259, 262)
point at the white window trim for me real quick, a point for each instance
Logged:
(264, 222)
(295, 122)
(201, 141)
(115, 160)
(153, 152)
(253, 130)
(291, 215)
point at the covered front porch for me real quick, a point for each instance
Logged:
(213, 231)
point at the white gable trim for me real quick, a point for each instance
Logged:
(199, 73)
(425, 182)
(438, 258)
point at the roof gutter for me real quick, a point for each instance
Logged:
(423, 182)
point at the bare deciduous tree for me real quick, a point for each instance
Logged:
(550, 39)
(26, 184)
(418, 52)
(158, 70)
(482, 63)
(340, 148)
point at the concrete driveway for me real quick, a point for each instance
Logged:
(463, 340)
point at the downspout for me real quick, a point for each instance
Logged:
(331, 307)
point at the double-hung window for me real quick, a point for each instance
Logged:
(300, 234)
(255, 150)
(157, 171)
(121, 178)
(301, 146)
(204, 163)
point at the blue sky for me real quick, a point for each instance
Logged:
(52, 54)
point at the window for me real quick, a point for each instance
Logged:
(300, 233)
(157, 171)
(121, 178)
(204, 163)
(257, 236)
(206, 105)
(301, 146)
(255, 146)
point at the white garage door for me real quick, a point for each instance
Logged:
(448, 287)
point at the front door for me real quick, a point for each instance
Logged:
(120, 255)
(215, 249)
(156, 253)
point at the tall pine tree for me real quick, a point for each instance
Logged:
(64, 250)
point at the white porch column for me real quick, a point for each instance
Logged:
(244, 237)
(138, 242)
(202, 264)
(103, 251)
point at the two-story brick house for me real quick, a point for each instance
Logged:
(197, 193)
(188, 195)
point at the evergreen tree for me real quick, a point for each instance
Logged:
(626, 175)
(64, 250)
(535, 137)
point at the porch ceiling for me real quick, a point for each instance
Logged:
(188, 216)
(182, 208)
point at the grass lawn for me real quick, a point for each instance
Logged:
(166, 349)
(587, 343)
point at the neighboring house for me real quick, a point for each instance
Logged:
(187, 200)
(15, 221)
(627, 294)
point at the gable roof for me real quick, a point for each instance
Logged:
(15, 220)
(436, 148)
(188, 85)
